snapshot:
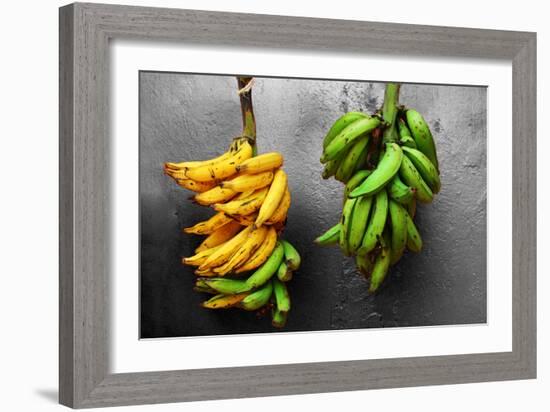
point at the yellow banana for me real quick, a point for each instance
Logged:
(214, 195)
(226, 250)
(219, 236)
(200, 257)
(224, 301)
(205, 273)
(261, 163)
(245, 220)
(183, 165)
(186, 165)
(209, 226)
(273, 199)
(262, 252)
(222, 169)
(243, 183)
(198, 187)
(254, 240)
(244, 206)
(282, 210)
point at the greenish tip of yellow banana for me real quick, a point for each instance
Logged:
(384, 179)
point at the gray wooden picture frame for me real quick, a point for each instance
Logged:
(85, 31)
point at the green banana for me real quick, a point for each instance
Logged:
(347, 136)
(361, 162)
(399, 191)
(402, 127)
(352, 159)
(292, 257)
(398, 219)
(332, 166)
(414, 240)
(358, 224)
(412, 177)
(200, 286)
(284, 274)
(364, 264)
(381, 266)
(422, 135)
(425, 167)
(258, 298)
(330, 237)
(278, 318)
(282, 298)
(340, 124)
(405, 137)
(384, 172)
(225, 286)
(376, 223)
(268, 269)
(345, 221)
(355, 181)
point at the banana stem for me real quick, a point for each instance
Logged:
(245, 95)
(389, 111)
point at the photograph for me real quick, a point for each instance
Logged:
(272, 205)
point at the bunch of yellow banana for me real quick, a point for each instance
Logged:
(384, 179)
(251, 198)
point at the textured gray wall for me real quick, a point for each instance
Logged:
(184, 117)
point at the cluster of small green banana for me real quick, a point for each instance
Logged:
(251, 197)
(383, 179)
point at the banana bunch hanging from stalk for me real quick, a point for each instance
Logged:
(384, 178)
(241, 260)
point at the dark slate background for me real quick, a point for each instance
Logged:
(184, 117)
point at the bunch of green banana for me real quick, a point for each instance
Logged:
(377, 220)
(251, 197)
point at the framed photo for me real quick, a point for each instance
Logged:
(257, 205)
